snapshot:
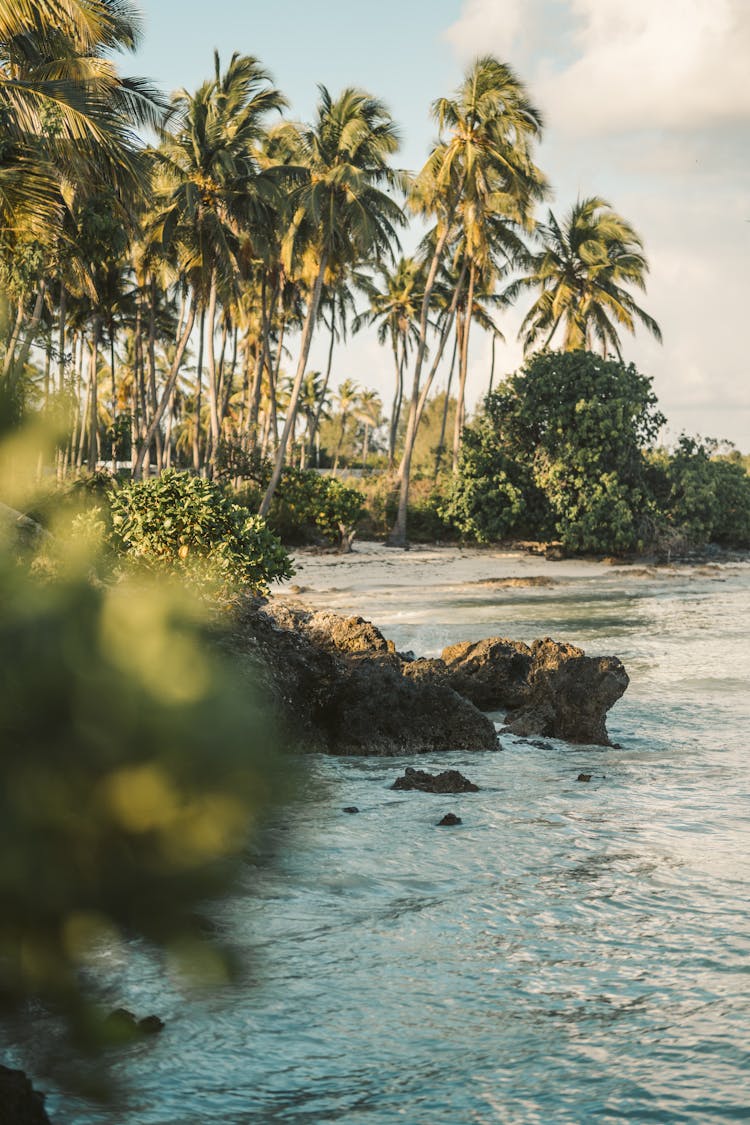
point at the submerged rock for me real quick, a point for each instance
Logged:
(449, 820)
(351, 809)
(584, 777)
(20, 1103)
(449, 781)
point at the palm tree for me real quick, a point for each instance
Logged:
(342, 214)
(215, 185)
(347, 398)
(394, 307)
(481, 166)
(583, 272)
(368, 411)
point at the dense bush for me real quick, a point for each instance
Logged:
(559, 450)
(427, 523)
(308, 507)
(185, 525)
(702, 497)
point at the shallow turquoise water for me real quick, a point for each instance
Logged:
(571, 953)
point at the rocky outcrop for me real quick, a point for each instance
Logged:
(340, 687)
(449, 781)
(343, 686)
(20, 1104)
(547, 688)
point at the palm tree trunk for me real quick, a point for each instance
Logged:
(291, 414)
(114, 396)
(61, 339)
(492, 365)
(18, 363)
(397, 398)
(13, 341)
(199, 394)
(463, 369)
(441, 441)
(397, 537)
(152, 370)
(93, 398)
(324, 388)
(213, 404)
(166, 393)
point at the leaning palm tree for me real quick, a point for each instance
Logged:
(583, 272)
(342, 212)
(482, 163)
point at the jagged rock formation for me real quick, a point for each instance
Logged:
(345, 689)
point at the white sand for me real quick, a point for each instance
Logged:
(373, 574)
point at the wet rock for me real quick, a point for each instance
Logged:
(343, 689)
(121, 1026)
(449, 781)
(20, 1103)
(449, 819)
(569, 694)
(492, 673)
(338, 696)
(351, 809)
(584, 777)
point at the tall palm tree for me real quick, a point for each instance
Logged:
(394, 307)
(368, 411)
(342, 212)
(482, 164)
(583, 271)
(347, 398)
(215, 185)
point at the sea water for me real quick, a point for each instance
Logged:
(573, 952)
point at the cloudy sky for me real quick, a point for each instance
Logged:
(645, 104)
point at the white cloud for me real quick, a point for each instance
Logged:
(618, 67)
(677, 64)
(487, 27)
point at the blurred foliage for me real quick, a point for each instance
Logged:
(136, 764)
(184, 525)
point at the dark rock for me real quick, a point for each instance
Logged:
(492, 673)
(449, 781)
(584, 777)
(449, 819)
(550, 689)
(121, 1026)
(569, 694)
(341, 697)
(343, 689)
(20, 1104)
(351, 809)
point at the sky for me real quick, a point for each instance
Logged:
(646, 104)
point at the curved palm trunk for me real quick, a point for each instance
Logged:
(199, 395)
(492, 364)
(397, 538)
(166, 397)
(291, 413)
(17, 363)
(213, 389)
(463, 370)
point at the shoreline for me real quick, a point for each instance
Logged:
(341, 582)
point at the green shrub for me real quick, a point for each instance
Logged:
(185, 525)
(702, 497)
(308, 507)
(559, 450)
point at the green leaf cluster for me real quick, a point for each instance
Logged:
(309, 507)
(187, 526)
